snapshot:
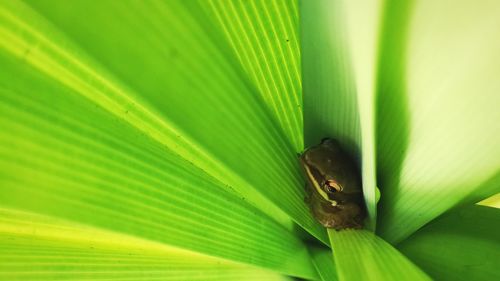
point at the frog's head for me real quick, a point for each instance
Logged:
(331, 172)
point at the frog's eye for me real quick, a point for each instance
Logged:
(332, 186)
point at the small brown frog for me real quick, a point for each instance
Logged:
(334, 192)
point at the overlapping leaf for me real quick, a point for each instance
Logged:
(463, 244)
(192, 84)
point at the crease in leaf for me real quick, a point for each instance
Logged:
(392, 116)
(323, 262)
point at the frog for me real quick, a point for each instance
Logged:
(333, 186)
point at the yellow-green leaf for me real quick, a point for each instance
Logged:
(34, 247)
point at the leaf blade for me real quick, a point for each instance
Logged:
(444, 68)
(361, 255)
(63, 156)
(264, 36)
(462, 244)
(34, 247)
(174, 121)
(323, 262)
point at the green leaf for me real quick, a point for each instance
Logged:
(463, 244)
(323, 262)
(34, 247)
(338, 69)
(440, 69)
(78, 144)
(109, 175)
(361, 255)
(174, 101)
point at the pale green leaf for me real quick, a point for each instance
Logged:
(361, 255)
(34, 247)
(438, 134)
(463, 244)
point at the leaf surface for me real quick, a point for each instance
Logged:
(170, 84)
(323, 262)
(361, 255)
(79, 144)
(462, 244)
(437, 143)
(34, 247)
